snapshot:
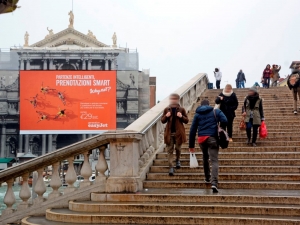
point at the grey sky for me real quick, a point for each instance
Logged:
(175, 39)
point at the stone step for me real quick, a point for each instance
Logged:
(230, 184)
(264, 142)
(41, 220)
(293, 122)
(244, 196)
(166, 218)
(232, 169)
(185, 208)
(248, 148)
(238, 162)
(244, 138)
(252, 176)
(241, 155)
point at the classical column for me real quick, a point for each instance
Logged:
(113, 64)
(106, 65)
(43, 144)
(89, 64)
(51, 66)
(50, 147)
(83, 136)
(84, 64)
(22, 65)
(45, 65)
(90, 135)
(28, 64)
(20, 143)
(26, 143)
(3, 141)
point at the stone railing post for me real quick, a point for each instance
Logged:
(9, 198)
(101, 166)
(55, 182)
(124, 163)
(70, 176)
(25, 193)
(86, 170)
(40, 187)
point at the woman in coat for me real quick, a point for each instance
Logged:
(267, 76)
(228, 104)
(254, 114)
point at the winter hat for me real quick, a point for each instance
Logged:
(205, 102)
(254, 89)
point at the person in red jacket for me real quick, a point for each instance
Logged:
(267, 76)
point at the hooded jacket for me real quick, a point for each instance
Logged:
(206, 123)
(218, 75)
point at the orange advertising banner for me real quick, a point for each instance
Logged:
(55, 102)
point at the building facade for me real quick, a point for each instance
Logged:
(68, 50)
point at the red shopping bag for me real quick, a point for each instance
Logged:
(263, 132)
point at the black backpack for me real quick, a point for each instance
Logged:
(223, 135)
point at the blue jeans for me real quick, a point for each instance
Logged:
(242, 84)
(266, 83)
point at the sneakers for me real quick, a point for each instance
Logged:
(254, 144)
(295, 112)
(207, 181)
(178, 165)
(214, 188)
(171, 171)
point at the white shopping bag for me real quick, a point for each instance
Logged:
(193, 160)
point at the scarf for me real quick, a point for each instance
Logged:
(227, 94)
(253, 99)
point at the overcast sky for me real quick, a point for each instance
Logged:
(175, 39)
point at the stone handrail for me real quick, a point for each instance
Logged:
(132, 152)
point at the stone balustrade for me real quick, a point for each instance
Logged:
(132, 152)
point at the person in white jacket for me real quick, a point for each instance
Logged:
(218, 76)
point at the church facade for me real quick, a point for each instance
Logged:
(69, 50)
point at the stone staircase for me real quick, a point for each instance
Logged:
(258, 185)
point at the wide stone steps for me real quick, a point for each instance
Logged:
(166, 218)
(239, 162)
(228, 184)
(247, 148)
(226, 176)
(232, 169)
(179, 207)
(241, 155)
(264, 142)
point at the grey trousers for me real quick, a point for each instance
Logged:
(210, 150)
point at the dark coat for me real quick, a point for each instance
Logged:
(296, 85)
(228, 105)
(180, 130)
(206, 123)
(241, 77)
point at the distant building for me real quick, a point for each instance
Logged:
(68, 49)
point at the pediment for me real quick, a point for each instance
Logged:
(69, 37)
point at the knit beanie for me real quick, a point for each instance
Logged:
(254, 89)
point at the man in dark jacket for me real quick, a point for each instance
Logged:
(241, 79)
(206, 122)
(175, 116)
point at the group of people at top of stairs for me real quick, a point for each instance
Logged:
(205, 122)
(270, 74)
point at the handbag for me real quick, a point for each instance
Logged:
(193, 160)
(223, 135)
(242, 124)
